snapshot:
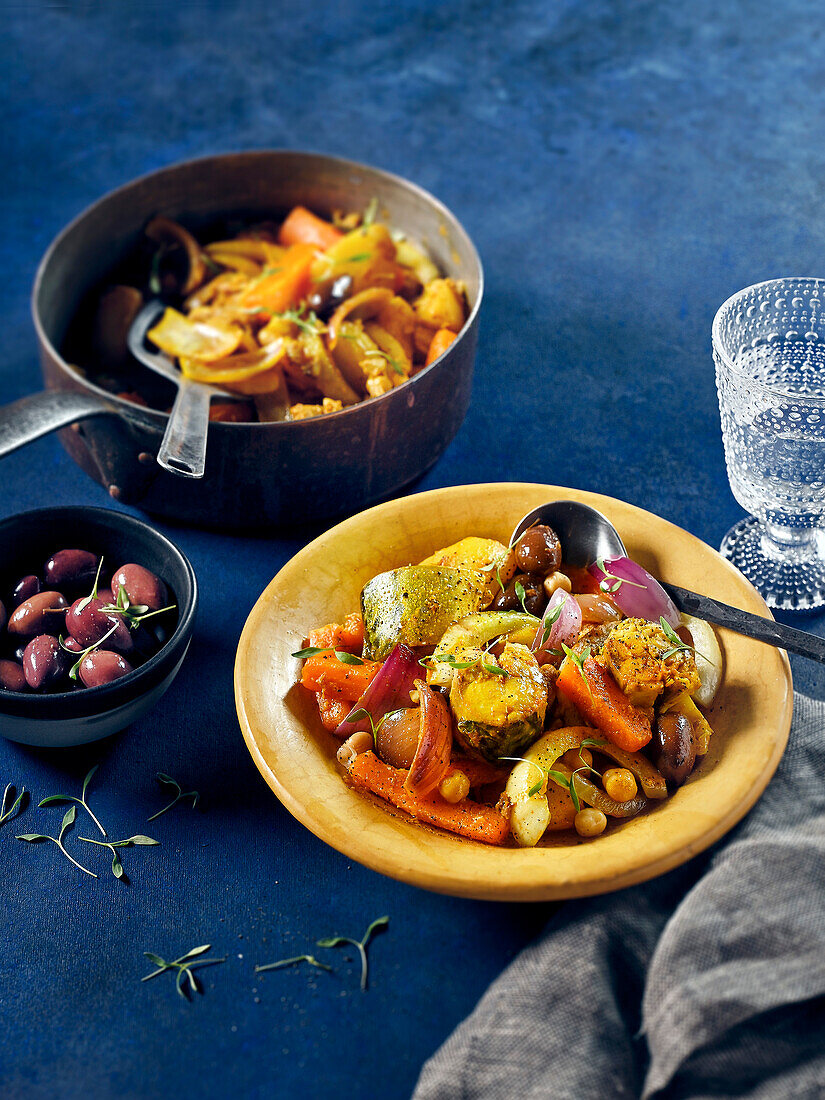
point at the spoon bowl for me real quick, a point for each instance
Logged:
(585, 534)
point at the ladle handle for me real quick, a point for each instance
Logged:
(183, 450)
(31, 417)
(753, 626)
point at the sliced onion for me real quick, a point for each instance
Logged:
(566, 625)
(389, 690)
(435, 742)
(642, 597)
(597, 609)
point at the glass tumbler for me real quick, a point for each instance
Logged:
(769, 349)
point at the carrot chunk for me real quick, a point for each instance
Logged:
(333, 709)
(326, 672)
(600, 700)
(439, 344)
(466, 818)
(301, 226)
(285, 285)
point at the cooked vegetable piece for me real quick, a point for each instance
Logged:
(469, 819)
(644, 662)
(683, 704)
(333, 709)
(708, 658)
(366, 303)
(415, 605)
(598, 698)
(439, 344)
(530, 813)
(286, 284)
(169, 234)
(463, 639)
(325, 671)
(588, 792)
(499, 714)
(366, 254)
(301, 226)
(484, 555)
(432, 757)
(441, 305)
(178, 336)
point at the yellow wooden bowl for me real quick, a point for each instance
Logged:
(751, 715)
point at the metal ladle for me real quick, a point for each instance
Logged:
(183, 448)
(587, 536)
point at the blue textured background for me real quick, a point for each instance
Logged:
(623, 167)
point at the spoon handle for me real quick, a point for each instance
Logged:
(742, 622)
(183, 450)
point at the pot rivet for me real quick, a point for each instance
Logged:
(145, 458)
(114, 492)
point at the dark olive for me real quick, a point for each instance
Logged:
(142, 587)
(674, 747)
(25, 588)
(539, 550)
(70, 567)
(89, 624)
(535, 598)
(3, 615)
(44, 662)
(328, 295)
(11, 676)
(102, 666)
(72, 644)
(37, 614)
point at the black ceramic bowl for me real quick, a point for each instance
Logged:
(257, 474)
(76, 717)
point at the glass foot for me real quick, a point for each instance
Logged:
(790, 578)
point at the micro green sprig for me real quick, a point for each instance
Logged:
(8, 812)
(68, 821)
(167, 781)
(361, 712)
(54, 799)
(184, 966)
(294, 961)
(359, 945)
(342, 655)
(113, 845)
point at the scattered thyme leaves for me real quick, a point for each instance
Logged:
(130, 842)
(449, 660)
(610, 582)
(68, 821)
(342, 655)
(678, 646)
(167, 781)
(359, 945)
(362, 712)
(6, 814)
(184, 966)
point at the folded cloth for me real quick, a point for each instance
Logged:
(707, 982)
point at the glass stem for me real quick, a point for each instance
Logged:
(788, 543)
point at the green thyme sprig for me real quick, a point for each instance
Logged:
(359, 945)
(310, 651)
(73, 671)
(184, 966)
(7, 813)
(113, 845)
(610, 582)
(310, 324)
(549, 622)
(521, 595)
(133, 613)
(54, 799)
(167, 781)
(678, 646)
(281, 963)
(570, 784)
(68, 821)
(361, 712)
(451, 662)
(84, 603)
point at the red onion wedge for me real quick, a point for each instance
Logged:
(634, 590)
(435, 742)
(561, 623)
(389, 690)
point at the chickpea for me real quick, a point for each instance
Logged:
(578, 758)
(590, 822)
(455, 787)
(557, 580)
(619, 784)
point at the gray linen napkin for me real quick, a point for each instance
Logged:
(707, 983)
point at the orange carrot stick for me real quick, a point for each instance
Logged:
(285, 285)
(352, 632)
(324, 671)
(469, 819)
(600, 700)
(439, 344)
(301, 226)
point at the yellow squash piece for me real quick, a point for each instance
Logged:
(180, 337)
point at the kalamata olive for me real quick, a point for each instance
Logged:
(72, 644)
(37, 614)
(25, 588)
(3, 615)
(89, 624)
(44, 662)
(538, 550)
(102, 666)
(70, 567)
(674, 747)
(328, 295)
(535, 598)
(142, 586)
(11, 676)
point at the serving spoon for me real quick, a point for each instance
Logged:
(588, 536)
(183, 448)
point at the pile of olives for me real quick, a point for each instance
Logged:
(538, 556)
(71, 626)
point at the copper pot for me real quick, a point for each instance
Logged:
(257, 474)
